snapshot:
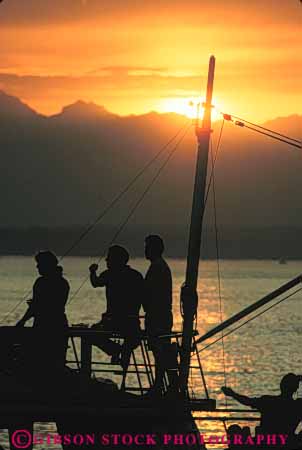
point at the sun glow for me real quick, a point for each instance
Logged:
(189, 107)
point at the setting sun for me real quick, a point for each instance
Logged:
(188, 107)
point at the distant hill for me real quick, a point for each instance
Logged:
(12, 108)
(83, 111)
(292, 125)
(64, 169)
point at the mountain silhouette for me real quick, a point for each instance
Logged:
(11, 108)
(81, 110)
(292, 125)
(62, 170)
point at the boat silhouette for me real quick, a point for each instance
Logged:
(282, 260)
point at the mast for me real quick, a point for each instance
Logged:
(189, 298)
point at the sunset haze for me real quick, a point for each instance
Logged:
(134, 57)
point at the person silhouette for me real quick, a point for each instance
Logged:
(47, 308)
(158, 314)
(280, 414)
(124, 293)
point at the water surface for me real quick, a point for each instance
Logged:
(256, 356)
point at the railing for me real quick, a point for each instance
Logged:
(141, 364)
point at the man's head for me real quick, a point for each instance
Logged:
(289, 384)
(234, 429)
(154, 247)
(117, 257)
(47, 262)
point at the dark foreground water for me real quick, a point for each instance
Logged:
(256, 356)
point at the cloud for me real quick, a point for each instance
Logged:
(36, 12)
(126, 70)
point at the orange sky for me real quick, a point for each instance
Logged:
(134, 56)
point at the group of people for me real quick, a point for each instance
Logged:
(127, 293)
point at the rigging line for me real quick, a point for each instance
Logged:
(261, 127)
(87, 229)
(251, 319)
(218, 268)
(122, 193)
(214, 163)
(241, 124)
(136, 205)
(13, 309)
(210, 181)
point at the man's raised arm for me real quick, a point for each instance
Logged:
(95, 280)
(243, 399)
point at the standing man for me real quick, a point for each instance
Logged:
(47, 308)
(159, 317)
(44, 354)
